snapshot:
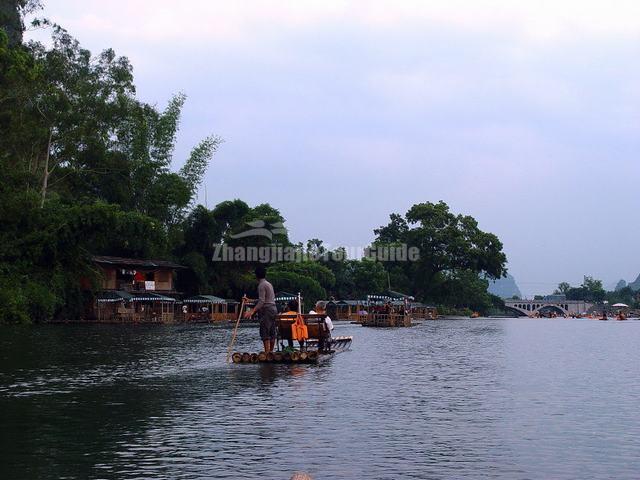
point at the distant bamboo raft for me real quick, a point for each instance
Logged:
(387, 320)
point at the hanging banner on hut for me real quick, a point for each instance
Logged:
(149, 285)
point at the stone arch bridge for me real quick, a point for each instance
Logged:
(562, 307)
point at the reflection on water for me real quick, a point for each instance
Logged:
(445, 399)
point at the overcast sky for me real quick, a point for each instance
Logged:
(524, 114)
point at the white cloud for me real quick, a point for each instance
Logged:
(240, 21)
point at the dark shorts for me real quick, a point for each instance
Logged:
(268, 323)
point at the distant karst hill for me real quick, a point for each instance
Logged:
(505, 287)
(635, 285)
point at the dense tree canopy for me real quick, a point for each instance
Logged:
(86, 170)
(454, 252)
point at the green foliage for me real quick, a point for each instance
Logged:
(624, 295)
(453, 253)
(293, 282)
(313, 270)
(194, 168)
(354, 279)
(203, 229)
(465, 289)
(86, 171)
(563, 288)
(315, 249)
(15, 305)
(77, 131)
(366, 277)
(591, 290)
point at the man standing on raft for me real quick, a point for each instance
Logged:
(266, 310)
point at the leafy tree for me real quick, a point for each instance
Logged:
(293, 282)
(368, 277)
(80, 132)
(309, 269)
(591, 290)
(227, 223)
(449, 246)
(87, 171)
(315, 248)
(624, 295)
(195, 167)
(466, 290)
(563, 288)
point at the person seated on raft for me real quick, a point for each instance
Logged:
(321, 309)
(292, 309)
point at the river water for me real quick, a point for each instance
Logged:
(508, 398)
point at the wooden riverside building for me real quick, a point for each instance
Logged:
(208, 308)
(135, 290)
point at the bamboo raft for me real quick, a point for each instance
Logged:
(387, 320)
(337, 345)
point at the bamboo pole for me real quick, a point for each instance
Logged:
(235, 330)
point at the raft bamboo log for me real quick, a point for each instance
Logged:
(301, 476)
(236, 357)
(254, 358)
(246, 357)
(277, 357)
(303, 356)
(270, 357)
(295, 356)
(262, 357)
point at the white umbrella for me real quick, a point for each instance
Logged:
(622, 305)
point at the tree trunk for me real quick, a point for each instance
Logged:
(47, 172)
(11, 22)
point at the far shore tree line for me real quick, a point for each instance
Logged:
(592, 290)
(87, 170)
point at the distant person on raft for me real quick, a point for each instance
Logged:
(266, 310)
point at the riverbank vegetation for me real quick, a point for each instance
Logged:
(592, 290)
(89, 168)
